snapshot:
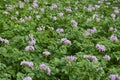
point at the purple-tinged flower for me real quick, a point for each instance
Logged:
(27, 63)
(90, 57)
(48, 71)
(45, 68)
(65, 41)
(90, 31)
(35, 5)
(21, 4)
(68, 9)
(118, 77)
(93, 30)
(42, 9)
(27, 78)
(113, 15)
(32, 42)
(53, 6)
(29, 48)
(95, 15)
(100, 47)
(60, 14)
(116, 11)
(113, 38)
(22, 20)
(60, 30)
(90, 8)
(74, 23)
(6, 41)
(113, 76)
(46, 53)
(107, 57)
(71, 58)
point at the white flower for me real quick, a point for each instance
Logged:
(46, 53)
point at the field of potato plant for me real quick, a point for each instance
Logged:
(59, 39)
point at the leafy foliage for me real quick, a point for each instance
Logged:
(85, 23)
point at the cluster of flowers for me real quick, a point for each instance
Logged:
(90, 31)
(100, 47)
(95, 16)
(74, 23)
(68, 9)
(91, 7)
(113, 38)
(4, 40)
(90, 57)
(30, 64)
(41, 28)
(59, 30)
(116, 11)
(45, 68)
(34, 4)
(65, 41)
(53, 6)
(21, 6)
(71, 58)
(31, 42)
(27, 63)
(93, 58)
(107, 57)
(114, 77)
